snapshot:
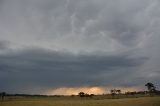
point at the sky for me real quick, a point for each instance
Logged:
(67, 46)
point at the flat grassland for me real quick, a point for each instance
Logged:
(75, 101)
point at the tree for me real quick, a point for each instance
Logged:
(113, 91)
(118, 91)
(3, 94)
(151, 87)
(81, 94)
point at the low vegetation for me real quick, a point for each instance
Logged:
(115, 98)
(77, 101)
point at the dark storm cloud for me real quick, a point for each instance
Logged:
(48, 69)
(84, 42)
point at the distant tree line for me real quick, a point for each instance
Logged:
(151, 90)
(150, 86)
(115, 91)
(82, 94)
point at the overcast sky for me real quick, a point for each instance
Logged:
(48, 44)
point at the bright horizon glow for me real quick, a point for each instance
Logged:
(88, 90)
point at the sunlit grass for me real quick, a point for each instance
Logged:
(64, 101)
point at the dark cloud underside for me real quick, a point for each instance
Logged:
(46, 44)
(38, 67)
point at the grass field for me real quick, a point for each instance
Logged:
(64, 101)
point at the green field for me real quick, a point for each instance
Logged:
(75, 101)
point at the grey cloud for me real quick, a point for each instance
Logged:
(84, 41)
(4, 45)
(55, 23)
(48, 69)
(120, 20)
